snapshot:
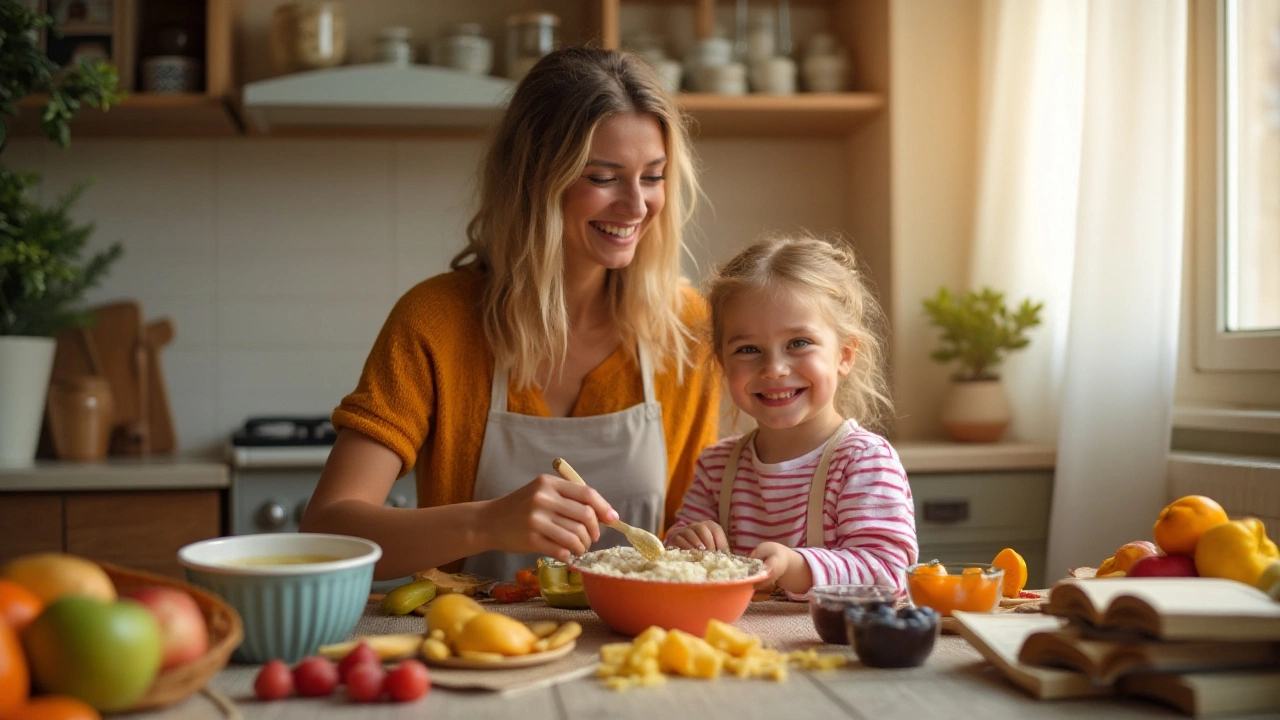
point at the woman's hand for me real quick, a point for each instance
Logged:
(787, 568)
(549, 516)
(705, 535)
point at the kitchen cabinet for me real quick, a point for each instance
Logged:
(138, 529)
(971, 516)
(208, 112)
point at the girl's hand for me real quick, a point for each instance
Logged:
(549, 516)
(787, 568)
(705, 535)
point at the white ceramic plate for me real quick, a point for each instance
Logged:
(515, 661)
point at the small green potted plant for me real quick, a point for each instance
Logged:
(42, 274)
(978, 330)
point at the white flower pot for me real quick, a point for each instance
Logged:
(976, 411)
(25, 366)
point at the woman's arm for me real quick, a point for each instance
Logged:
(548, 515)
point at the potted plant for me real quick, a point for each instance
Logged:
(42, 274)
(978, 331)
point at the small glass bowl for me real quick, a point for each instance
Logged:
(827, 604)
(945, 587)
(885, 638)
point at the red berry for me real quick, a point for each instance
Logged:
(407, 681)
(274, 681)
(361, 654)
(315, 676)
(364, 682)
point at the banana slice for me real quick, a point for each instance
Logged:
(387, 647)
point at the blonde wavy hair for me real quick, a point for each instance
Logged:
(540, 148)
(826, 271)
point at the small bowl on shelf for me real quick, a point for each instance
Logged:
(293, 591)
(828, 603)
(945, 587)
(887, 638)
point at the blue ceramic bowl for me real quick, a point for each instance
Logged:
(294, 591)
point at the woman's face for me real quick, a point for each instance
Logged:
(620, 191)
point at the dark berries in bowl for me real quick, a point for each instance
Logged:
(885, 638)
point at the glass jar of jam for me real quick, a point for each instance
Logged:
(827, 605)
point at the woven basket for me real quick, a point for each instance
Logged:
(225, 633)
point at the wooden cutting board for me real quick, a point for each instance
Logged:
(164, 437)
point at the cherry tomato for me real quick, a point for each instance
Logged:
(528, 578)
(274, 681)
(407, 681)
(509, 593)
(360, 655)
(364, 682)
(315, 676)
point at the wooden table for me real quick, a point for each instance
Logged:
(955, 682)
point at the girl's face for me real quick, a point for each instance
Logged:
(783, 362)
(609, 207)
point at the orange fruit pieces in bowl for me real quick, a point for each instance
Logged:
(1183, 521)
(1015, 571)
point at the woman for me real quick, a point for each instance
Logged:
(564, 330)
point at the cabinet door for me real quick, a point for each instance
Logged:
(141, 530)
(29, 522)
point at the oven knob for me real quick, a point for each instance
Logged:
(272, 516)
(397, 501)
(299, 511)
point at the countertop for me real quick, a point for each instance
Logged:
(154, 473)
(955, 682)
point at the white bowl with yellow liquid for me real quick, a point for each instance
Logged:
(294, 591)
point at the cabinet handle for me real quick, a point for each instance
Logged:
(946, 511)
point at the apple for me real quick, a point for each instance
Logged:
(104, 653)
(183, 633)
(1164, 566)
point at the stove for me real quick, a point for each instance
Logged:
(275, 465)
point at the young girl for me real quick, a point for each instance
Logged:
(819, 498)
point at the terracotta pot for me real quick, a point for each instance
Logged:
(976, 411)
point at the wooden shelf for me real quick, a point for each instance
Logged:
(79, 28)
(142, 115)
(800, 115)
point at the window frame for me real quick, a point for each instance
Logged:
(1214, 348)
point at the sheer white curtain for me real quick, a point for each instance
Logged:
(1080, 204)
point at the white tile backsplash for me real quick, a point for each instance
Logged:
(278, 260)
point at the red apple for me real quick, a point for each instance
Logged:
(182, 630)
(1164, 566)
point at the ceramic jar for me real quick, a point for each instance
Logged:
(826, 64)
(465, 49)
(394, 47)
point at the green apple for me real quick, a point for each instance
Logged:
(104, 653)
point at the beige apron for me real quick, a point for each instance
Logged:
(623, 455)
(817, 487)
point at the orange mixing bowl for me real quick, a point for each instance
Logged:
(630, 605)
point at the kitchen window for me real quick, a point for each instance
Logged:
(1235, 96)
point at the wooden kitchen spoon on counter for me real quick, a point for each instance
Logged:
(645, 542)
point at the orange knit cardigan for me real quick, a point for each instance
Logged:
(424, 392)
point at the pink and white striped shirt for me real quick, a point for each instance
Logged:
(869, 529)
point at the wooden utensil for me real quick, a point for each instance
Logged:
(163, 435)
(644, 541)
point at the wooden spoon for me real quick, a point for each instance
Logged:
(645, 542)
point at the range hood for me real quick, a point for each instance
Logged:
(376, 96)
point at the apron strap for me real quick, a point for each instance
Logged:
(646, 374)
(818, 489)
(498, 390)
(726, 480)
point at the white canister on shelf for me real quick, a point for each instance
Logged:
(706, 53)
(762, 37)
(465, 49)
(774, 76)
(825, 73)
(724, 79)
(394, 46)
